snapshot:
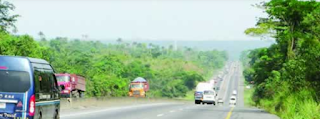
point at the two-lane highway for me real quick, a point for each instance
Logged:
(182, 110)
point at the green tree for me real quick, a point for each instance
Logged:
(6, 20)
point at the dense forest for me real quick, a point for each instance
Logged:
(286, 75)
(109, 68)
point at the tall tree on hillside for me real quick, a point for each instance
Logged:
(6, 20)
(119, 40)
(41, 35)
(286, 19)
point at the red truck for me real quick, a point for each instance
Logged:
(138, 87)
(74, 85)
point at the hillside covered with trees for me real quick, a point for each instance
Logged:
(109, 68)
(287, 74)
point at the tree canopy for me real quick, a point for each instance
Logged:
(287, 74)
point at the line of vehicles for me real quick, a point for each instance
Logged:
(205, 92)
(30, 88)
(233, 98)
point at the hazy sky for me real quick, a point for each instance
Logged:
(138, 19)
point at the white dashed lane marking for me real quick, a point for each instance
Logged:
(172, 111)
(159, 115)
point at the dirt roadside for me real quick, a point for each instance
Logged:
(98, 103)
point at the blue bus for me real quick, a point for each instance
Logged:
(28, 89)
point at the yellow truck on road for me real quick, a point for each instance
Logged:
(138, 87)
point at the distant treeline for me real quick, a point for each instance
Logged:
(109, 68)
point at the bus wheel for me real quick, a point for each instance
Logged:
(57, 116)
(82, 95)
(40, 115)
(77, 94)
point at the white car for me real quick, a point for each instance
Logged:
(220, 101)
(234, 92)
(209, 97)
(233, 100)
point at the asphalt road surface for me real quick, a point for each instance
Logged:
(182, 110)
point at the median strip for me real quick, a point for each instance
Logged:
(229, 113)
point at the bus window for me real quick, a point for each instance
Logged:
(54, 89)
(43, 84)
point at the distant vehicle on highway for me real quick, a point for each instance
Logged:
(74, 85)
(199, 93)
(221, 79)
(233, 100)
(209, 97)
(138, 87)
(220, 101)
(234, 92)
(28, 89)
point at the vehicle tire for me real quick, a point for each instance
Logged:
(82, 94)
(40, 115)
(77, 94)
(57, 116)
(197, 102)
(202, 103)
(214, 104)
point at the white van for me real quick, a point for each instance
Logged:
(199, 95)
(209, 97)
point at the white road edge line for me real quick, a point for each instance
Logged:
(159, 115)
(172, 111)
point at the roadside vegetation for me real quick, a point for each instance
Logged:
(248, 94)
(109, 68)
(286, 75)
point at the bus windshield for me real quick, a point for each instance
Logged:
(63, 78)
(14, 81)
(136, 86)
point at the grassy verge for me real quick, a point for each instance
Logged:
(190, 96)
(248, 93)
(292, 105)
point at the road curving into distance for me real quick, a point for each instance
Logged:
(180, 110)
